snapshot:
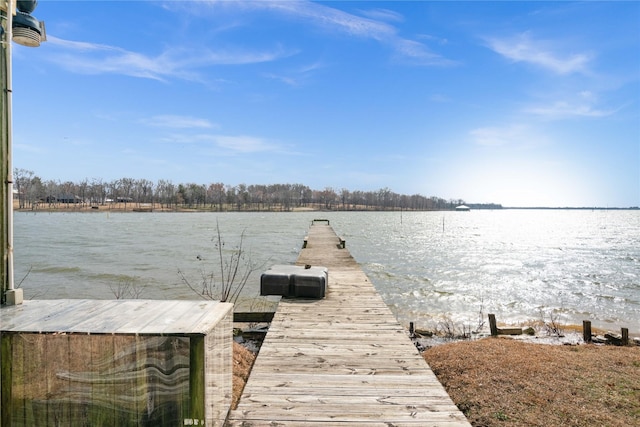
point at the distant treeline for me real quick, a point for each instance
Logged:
(34, 192)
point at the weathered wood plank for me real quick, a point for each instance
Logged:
(340, 423)
(369, 338)
(112, 317)
(336, 399)
(343, 360)
(253, 317)
(343, 351)
(336, 382)
(353, 413)
(310, 368)
(57, 315)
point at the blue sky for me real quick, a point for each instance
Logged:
(519, 103)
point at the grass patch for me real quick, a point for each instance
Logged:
(503, 382)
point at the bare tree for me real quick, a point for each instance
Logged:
(127, 289)
(216, 194)
(230, 272)
(22, 183)
(97, 192)
(165, 192)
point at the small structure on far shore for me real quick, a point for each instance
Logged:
(462, 208)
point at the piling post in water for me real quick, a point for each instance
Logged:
(492, 325)
(586, 330)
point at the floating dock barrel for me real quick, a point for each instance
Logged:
(295, 281)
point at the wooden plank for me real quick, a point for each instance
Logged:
(341, 369)
(332, 381)
(353, 413)
(96, 316)
(26, 315)
(211, 318)
(417, 394)
(185, 316)
(253, 317)
(340, 423)
(338, 401)
(113, 316)
(169, 317)
(45, 316)
(370, 337)
(329, 348)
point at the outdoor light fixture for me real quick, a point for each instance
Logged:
(27, 30)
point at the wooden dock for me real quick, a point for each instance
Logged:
(342, 360)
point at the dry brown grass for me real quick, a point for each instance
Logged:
(242, 363)
(502, 382)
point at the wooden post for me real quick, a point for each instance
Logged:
(411, 330)
(625, 336)
(6, 394)
(196, 379)
(492, 325)
(586, 330)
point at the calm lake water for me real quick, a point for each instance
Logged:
(519, 264)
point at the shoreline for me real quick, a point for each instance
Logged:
(156, 207)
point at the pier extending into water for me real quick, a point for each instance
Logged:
(342, 360)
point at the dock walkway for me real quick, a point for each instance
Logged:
(343, 360)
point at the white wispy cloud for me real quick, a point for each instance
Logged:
(30, 148)
(524, 48)
(236, 144)
(583, 104)
(383, 15)
(563, 109)
(95, 58)
(295, 77)
(242, 143)
(182, 63)
(370, 26)
(187, 63)
(439, 97)
(178, 122)
(498, 136)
